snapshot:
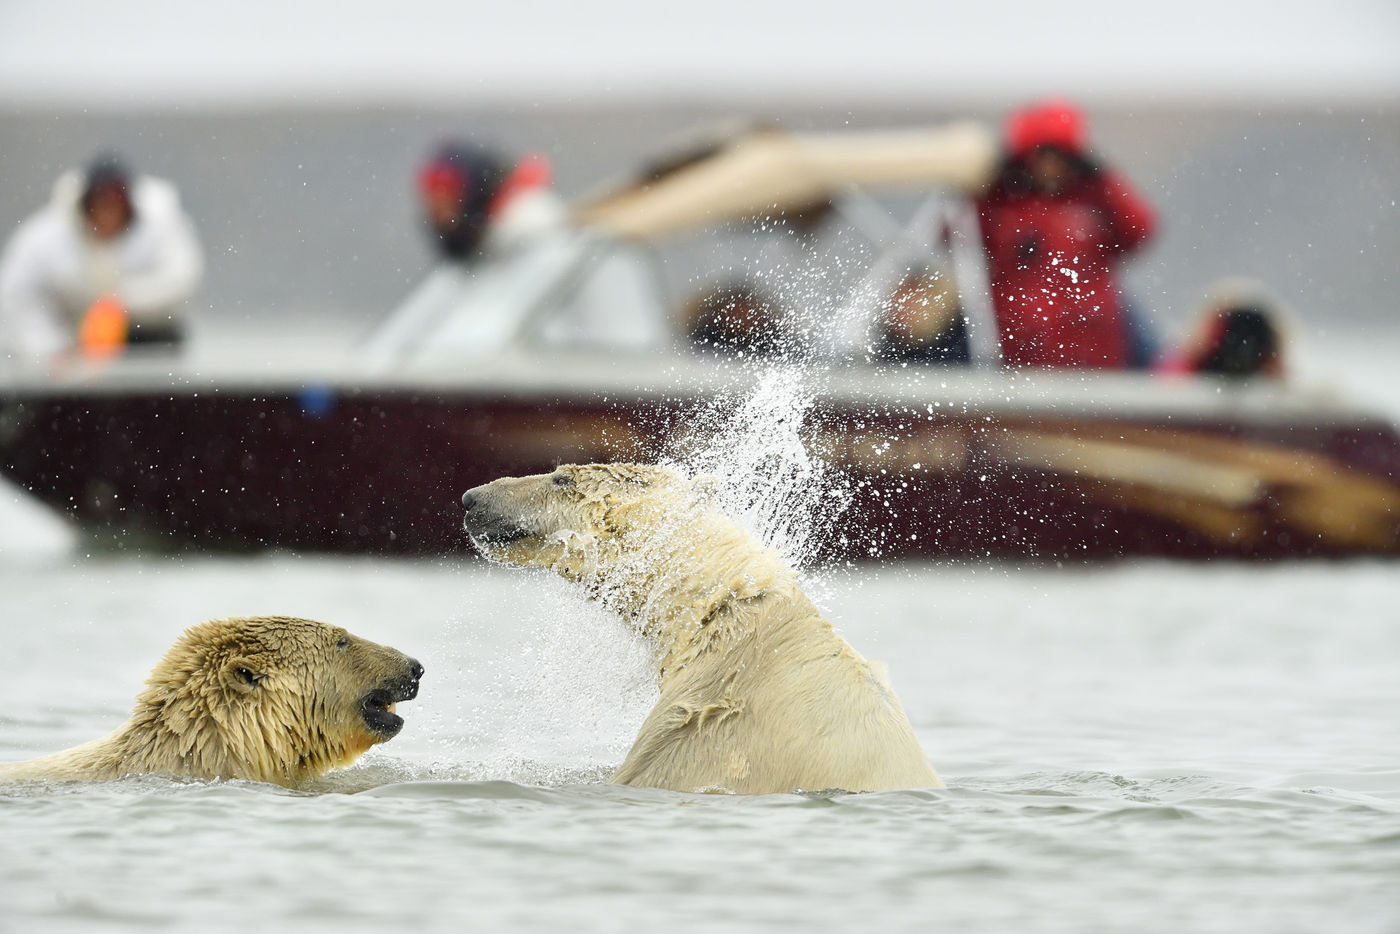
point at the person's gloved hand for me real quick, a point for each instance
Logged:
(104, 329)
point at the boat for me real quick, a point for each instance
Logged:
(368, 447)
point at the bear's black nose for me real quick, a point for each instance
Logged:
(468, 500)
(405, 688)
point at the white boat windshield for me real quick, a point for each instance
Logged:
(572, 290)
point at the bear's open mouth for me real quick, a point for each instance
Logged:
(377, 707)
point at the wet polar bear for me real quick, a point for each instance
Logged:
(268, 699)
(758, 693)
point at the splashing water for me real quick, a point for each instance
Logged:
(553, 695)
(767, 478)
(756, 441)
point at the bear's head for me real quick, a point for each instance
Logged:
(273, 699)
(579, 515)
(646, 540)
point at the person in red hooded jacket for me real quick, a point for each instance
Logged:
(1055, 223)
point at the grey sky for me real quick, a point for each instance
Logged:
(143, 52)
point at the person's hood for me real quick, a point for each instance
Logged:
(151, 198)
(1056, 122)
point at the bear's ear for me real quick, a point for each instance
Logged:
(243, 675)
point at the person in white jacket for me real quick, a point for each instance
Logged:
(111, 260)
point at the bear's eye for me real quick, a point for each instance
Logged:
(342, 643)
(246, 676)
(563, 479)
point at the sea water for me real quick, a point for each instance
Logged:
(1142, 746)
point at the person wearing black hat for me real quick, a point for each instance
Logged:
(512, 270)
(109, 262)
(476, 202)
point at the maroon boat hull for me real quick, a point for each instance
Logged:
(382, 471)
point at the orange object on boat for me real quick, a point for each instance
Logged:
(104, 329)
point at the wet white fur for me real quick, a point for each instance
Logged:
(758, 693)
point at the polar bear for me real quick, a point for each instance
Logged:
(269, 699)
(758, 693)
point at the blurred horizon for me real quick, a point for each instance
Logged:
(163, 54)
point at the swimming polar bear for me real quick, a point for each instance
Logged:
(268, 699)
(758, 693)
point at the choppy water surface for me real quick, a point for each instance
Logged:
(1155, 747)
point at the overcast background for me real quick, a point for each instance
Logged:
(98, 53)
(1267, 134)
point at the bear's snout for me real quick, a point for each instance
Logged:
(485, 523)
(415, 674)
(478, 515)
(405, 687)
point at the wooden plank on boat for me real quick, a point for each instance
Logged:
(1125, 463)
(1224, 488)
